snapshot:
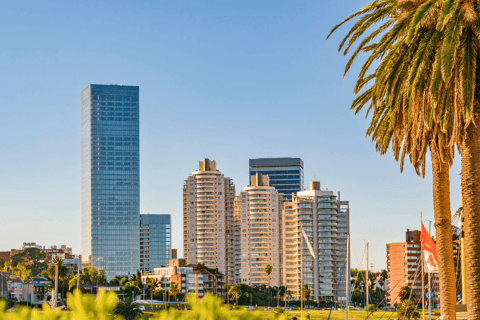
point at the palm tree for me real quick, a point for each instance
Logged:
(306, 292)
(268, 271)
(152, 283)
(422, 97)
(128, 310)
(56, 262)
(235, 291)
(227, 287)
(174, 290)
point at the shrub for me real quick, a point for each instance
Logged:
(88, 307)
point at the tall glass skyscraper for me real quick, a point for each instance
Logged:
(285, 174)
(155, 244)
(111, 178)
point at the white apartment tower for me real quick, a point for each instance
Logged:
(258, 233)
(208, 219)
(325, 220)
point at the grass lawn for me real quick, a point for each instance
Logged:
(316, 314)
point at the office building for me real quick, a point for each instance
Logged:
(155, 241)
(325, 220)
(285, 174)
(404, 269)
(111, 179)
(208, 219)
(258, 240)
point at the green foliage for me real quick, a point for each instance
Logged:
(210, 308)
(406, 293)
(371, 308)
(128, 310)
(82, 306)
(407, 310)
(32, 257)
(22, 272)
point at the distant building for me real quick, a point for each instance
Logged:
(207, 218)
(404, 269)
(53, 252)
(174, 253)
(5, 256)
(326, 222)
(285, 174)
(111, 178)
(155, 241)
(258, 238)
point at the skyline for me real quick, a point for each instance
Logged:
(225, 65)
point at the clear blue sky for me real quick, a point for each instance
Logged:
(228, 80)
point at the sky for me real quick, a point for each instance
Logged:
(224, 80)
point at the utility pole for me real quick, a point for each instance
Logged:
(366, 282)
(347, 279)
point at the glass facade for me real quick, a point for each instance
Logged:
(155, 241)
(285, 174)
(111, 178)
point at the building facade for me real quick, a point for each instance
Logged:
(258, 237)
(285, 174)
(325, 220)
(186, 276)
(404, 269)
(155, 241)
(111, 178)
(208, 219)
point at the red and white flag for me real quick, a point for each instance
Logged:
(429, 251)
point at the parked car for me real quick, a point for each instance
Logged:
(250, 308)
(141, 308)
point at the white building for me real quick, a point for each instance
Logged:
(208, 218)
(258, 235)
(325, 220)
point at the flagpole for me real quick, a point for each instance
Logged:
(423, 271)
(366, 282)
(347, 278)
(429, 284)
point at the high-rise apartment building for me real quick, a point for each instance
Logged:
(325, 220)
(208, 219)
(111, 178)
(285, 174)
(404, 269)
(155, 241)
(258, 236)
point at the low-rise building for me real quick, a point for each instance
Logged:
(185, 276)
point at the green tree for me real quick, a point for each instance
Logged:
(407, 310)
(7, 266)
(268, 271)
(406, 293)
(128, 310)
(22, 272)
(235, 291)
(423, 97)
(306, 292)
(174, 290)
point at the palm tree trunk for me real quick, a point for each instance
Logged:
(443, 225)
(471, 208)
